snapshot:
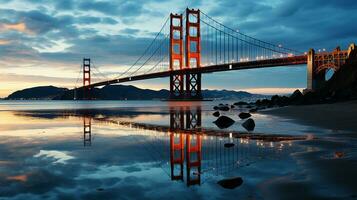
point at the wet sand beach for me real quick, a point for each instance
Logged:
(337, 116)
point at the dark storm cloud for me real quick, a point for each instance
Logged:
(297, 24)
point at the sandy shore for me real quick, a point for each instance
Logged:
(337, 116)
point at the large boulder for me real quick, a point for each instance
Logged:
(244, 115)
(296, 97)
(277, 100)
(223, 107)
(249, 124)
(224, 122)
(231, 183)
(216, 114)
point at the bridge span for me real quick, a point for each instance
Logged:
(192, 43)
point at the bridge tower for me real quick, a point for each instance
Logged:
(193, 53)
(86, 78)
(176, 56)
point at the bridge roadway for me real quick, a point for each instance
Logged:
(276, 62)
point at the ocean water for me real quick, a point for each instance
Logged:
(166, 150)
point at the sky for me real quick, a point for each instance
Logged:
(42, 42)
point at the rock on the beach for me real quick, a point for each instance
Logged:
(223, 108)
(231, 183)
(249, 124)
(216, 114)
(232, 106)
(244, 115)
(228, 145)
(224, 122)
(215, 107)
(297, 95)
(339, 154)
(253, 110)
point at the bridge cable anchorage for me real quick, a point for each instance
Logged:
(146, 50)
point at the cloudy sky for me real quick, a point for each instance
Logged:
(42, 42)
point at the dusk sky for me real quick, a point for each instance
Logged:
(42, 42)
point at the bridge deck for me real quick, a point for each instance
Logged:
(294, 60)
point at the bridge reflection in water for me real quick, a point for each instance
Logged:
(196, 154)
(87, 131)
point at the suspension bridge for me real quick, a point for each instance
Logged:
(193, 43)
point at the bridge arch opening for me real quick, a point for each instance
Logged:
(329, 73)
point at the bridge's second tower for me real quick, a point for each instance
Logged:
(193, 53)
(86, 78)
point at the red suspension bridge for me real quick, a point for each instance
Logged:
(191, 44)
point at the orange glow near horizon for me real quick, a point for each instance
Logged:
(21, 178)
(20, 27)
(4, 42)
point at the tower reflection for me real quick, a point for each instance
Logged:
(87, 131)
(180, 121)
(196, 154)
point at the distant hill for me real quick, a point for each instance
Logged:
(120, 92)
(42, 92)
